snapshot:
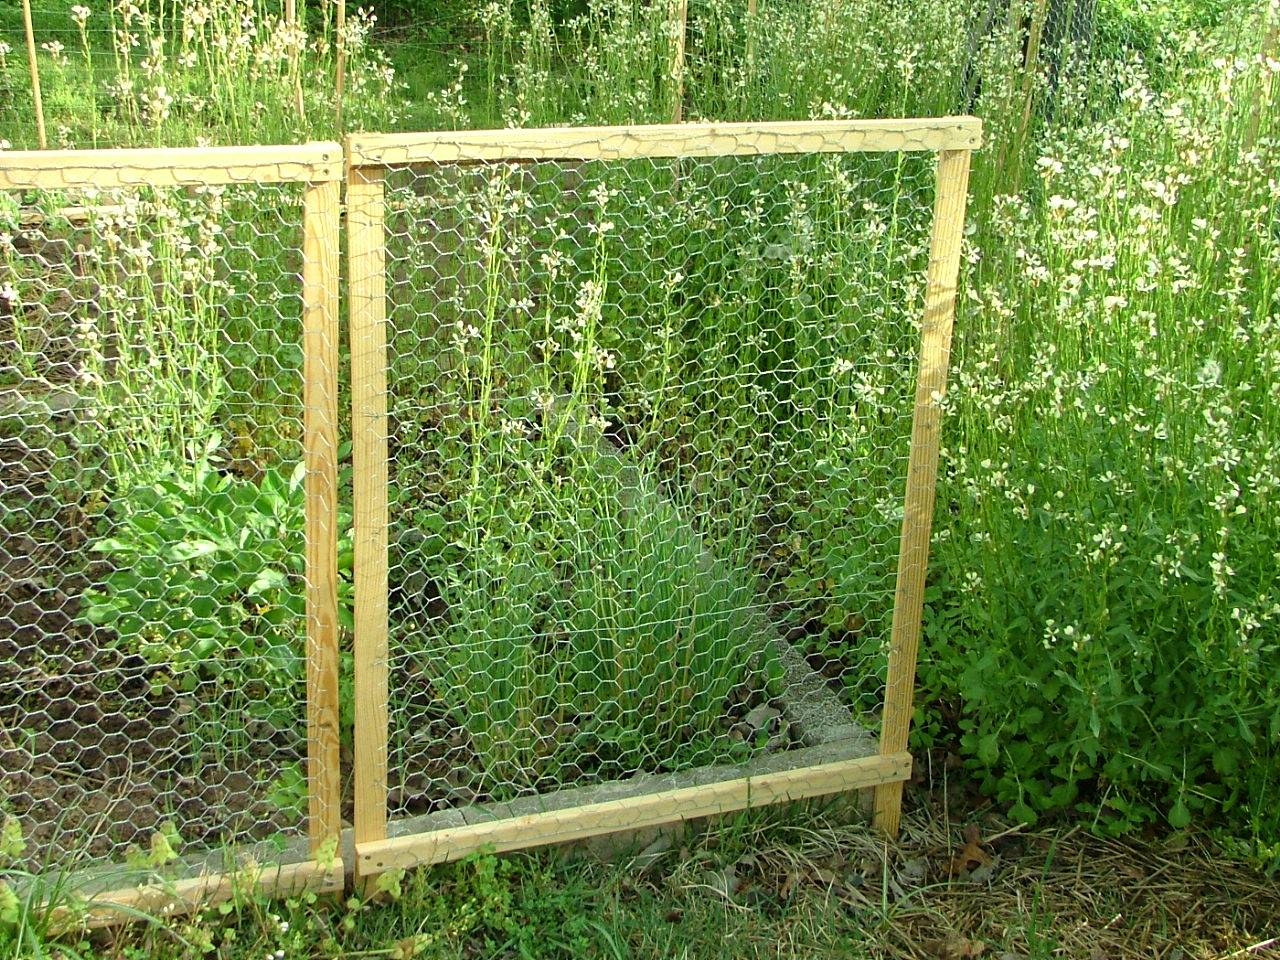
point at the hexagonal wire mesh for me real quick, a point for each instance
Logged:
(648, 424)
(154, 583)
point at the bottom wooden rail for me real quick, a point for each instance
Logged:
(630, 813)
(165, 898)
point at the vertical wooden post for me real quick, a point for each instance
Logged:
(366, 258)
(1031, 62)
(320, 428)
(752, 10)
(35, 75)
(340, 79)
(297, 50)
(678, 23)
(922, 468)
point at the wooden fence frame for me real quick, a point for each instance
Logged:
(318, 168)
(368, 156)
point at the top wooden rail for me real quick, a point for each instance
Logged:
(170, 166)
(667, 140)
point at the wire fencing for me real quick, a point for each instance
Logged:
(634, 409)
(167, 360)
(644, 438)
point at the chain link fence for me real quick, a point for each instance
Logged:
(155, 406)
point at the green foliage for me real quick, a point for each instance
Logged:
(594, 624)
(207, 578)
(1103, 621)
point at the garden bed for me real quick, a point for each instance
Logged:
(118, 374)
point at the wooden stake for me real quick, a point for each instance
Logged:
(678, 17)
(1262, 93)
(320, 416)
(366, 253)
(922, 468)
(1031, 63)
(752, 9)
(295, 56)
(35, 75)
(341, 78)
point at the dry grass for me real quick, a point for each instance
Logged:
(1013, 894)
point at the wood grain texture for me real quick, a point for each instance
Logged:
(667, 140)
(169, 166)
(320, 427)
(366, 251)
(170, 898)
(37, 99)
(922, 468)
(632, 813)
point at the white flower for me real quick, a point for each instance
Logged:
(80, 13)
(1210, 373)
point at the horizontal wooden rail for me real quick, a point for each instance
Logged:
(667, 140)
(169, 166)
(164, 899)
(631, 813)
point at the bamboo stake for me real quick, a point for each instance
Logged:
(320, 413)
(366, 253)
(341, 78)
(297, 43)
(35, 74)
(1031, 63)
(922, 469)
(1262, 93)
(678, 20)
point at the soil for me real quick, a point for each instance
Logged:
(94, 745)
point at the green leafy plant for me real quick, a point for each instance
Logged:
(207, 579)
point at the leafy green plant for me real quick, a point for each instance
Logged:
(1103, 626)
(207, 579)
(591, 628)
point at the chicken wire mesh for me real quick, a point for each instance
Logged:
(648, 423)
(152, 574)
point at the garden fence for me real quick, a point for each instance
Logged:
(645, 440)
(168, 418)
(644, 435)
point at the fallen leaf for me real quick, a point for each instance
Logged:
(913, 871)
(824, 876)
(971, 854)
(788, 885)
(955, 947)
(408, 948)
(724, 882)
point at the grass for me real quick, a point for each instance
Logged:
(765, 885)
